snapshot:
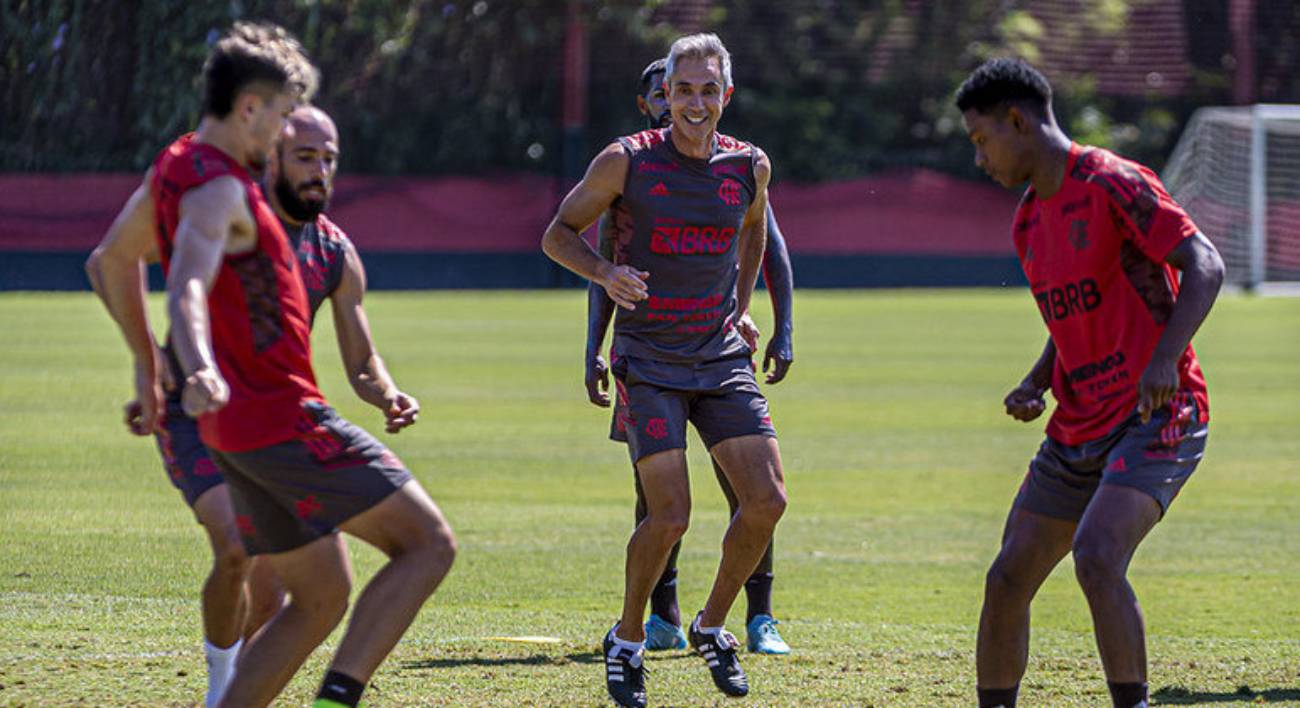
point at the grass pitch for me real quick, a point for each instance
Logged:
(900, 467)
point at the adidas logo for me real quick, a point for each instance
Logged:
(659, 190)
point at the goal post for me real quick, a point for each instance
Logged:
(1236, 170)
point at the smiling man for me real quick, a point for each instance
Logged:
(688, 206)
(663, 629)
(1100, 241)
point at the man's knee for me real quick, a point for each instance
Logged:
(668, 524)
(1000, 581)
(432, 549)
(229, 559)
(1099, 565)
(231, 562)
(1008, 577)
(765, 508)
(668, 497)
(438, 543)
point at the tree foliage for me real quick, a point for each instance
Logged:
(472, 86)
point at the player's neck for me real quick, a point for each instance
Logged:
(700, 150)
(1052, 157)
(221, 136)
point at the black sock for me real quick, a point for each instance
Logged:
(758, 590)
(341, 688)
(994, 697)
(663, 599)
(1128, 695)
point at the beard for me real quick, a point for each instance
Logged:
(299, 209)
(664, 120)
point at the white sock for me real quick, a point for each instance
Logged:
(636, 648)
(718, 634)
(711, 630)
(221, 668)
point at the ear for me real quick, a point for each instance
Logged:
(642, 106)
(247, 104)
(726, 96)
(1020, 122)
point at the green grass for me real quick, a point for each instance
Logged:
(900, 467)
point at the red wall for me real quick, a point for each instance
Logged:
(901, 212)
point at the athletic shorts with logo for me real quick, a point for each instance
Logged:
(655, 399)
(1156, 458)
(186, 460)
(292, 493)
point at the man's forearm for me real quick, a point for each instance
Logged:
(122, 287)
(600, 309)
(187, 306)
(779, 277)
(565, 246)
(1040, 376)
(1197, 293)
(372, 382)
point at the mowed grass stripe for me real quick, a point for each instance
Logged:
(900, 465)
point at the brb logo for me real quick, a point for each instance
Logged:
(729, 192)
(691, 240)
(657, 428)
(1073, 299)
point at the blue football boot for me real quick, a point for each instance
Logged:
(762, 637)
(660, 634)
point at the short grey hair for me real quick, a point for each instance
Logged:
(700, 46)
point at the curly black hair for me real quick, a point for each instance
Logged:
(999, 81)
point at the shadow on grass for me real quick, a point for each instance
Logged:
(588, 657)
(1175, 695)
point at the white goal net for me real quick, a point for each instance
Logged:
(1237, 173)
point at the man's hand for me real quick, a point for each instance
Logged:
(401, 411)
(748, 331)
(1025, 402)
(597, 381)
(780, 353)
(144, 414)
(205, 392)
(133, 416)
(624, 284)
(1157, 386)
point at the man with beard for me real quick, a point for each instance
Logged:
(664, 628)
(302, 183)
